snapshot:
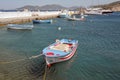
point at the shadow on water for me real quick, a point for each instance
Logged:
(37, 69)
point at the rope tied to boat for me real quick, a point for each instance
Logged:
(45, 73)
(32, 57)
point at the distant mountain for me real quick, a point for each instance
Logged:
(115, 6)
(29, 7)
(52, 7)
(73, 8)
(46, 7)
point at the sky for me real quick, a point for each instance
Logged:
(13, 4)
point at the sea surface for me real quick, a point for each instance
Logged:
(97, 56)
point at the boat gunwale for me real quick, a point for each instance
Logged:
(61, 53)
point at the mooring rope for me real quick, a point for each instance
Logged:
(45, 73)
(32, 57)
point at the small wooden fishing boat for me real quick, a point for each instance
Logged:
(42, 21)
(64, 14)
(75, 19)
(59, 51)
(19, 27)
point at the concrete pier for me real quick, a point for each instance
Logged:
(23, 17)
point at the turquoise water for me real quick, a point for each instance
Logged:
(97, 56)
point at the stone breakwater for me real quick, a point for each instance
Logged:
(23, 17)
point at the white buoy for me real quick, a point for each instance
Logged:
(59, 28)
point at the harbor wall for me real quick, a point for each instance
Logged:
(23, 17)
(26, 14)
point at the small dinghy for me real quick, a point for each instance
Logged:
(19, 27)
(42, 21)
(75, 19)
(59, 51)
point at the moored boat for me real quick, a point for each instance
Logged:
(19, 27)
(75, 19)
(59, 51)
(42, 21)
(64, 14)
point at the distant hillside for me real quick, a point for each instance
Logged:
(29, 7)
(46, 7)
(52, 7)
(115, 6)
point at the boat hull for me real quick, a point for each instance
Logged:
(53, 60)
(19, 27)
(41, 21)
(74, 19)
